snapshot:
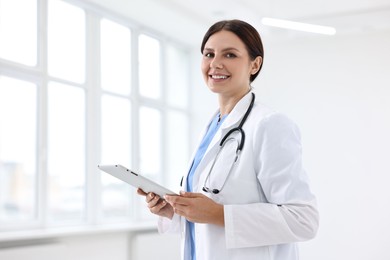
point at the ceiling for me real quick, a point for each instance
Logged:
(187, 20)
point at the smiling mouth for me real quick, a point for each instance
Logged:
(219, 76)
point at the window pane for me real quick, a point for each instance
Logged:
(177, 148)
(150, 131)
(66, 152)
(149, 67)
(150, 141)
(66, 41)
(115, 150)
(177, 77)
(17, 150)
(18, 31)
(115, 57)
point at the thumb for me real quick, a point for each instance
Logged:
(187, 194)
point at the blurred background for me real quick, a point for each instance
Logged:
(88, 82)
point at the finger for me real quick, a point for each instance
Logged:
(141, 192)
(176, 200)
(184, 212)
(180, 209)
(150, 196)
(170, 198)
(161, 204)
(189, 194)
(180, 213)
(153, 202)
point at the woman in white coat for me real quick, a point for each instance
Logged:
(246, 195)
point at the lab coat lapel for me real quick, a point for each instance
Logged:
(231, 121)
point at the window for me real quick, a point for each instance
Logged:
(115, 44)
(177, 123)
(149, 66)
(115, 64)
(18, 31)
(66, 152)
(116, 148)
(88, 90)
(150, 141)
(66, 41)
(177, 136)
(177, 77)
(18, 150)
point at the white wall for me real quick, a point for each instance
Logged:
(337, 89)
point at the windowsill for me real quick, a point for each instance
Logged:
(47, 233)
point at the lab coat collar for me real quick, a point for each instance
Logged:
(231, 121)
(238, 112)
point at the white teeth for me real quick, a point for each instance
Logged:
(218, 77)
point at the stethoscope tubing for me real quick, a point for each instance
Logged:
(224, 139)
(239, 127)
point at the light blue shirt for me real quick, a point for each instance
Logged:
(213, 128)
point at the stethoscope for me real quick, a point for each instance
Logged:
(226, 138)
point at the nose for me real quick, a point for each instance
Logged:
(216, 63)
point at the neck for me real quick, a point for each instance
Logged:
(227, 103)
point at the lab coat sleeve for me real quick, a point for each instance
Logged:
(166, 225)
(289, 213)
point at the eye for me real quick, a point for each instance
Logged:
(209, 55)
(230, 55)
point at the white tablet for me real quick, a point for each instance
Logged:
(135, 179)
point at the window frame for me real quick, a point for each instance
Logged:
(39, 76)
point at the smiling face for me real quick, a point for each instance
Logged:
(226, 65)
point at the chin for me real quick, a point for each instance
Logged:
(215, 90)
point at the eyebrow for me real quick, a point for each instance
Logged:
(223, 50)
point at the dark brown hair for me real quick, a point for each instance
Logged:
(246, 32)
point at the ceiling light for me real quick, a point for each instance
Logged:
(299, 26)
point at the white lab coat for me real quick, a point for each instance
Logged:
(268, 205)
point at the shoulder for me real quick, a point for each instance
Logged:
(263, 114)
(266, 120)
